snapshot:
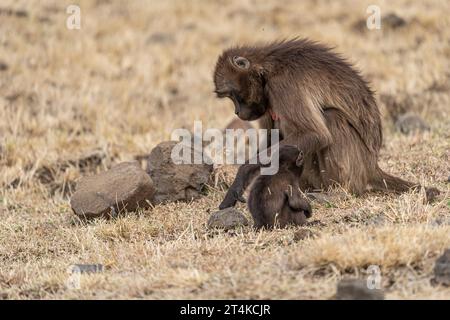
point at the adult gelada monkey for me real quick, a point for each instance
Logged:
(320, 103)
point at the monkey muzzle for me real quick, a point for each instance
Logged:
(247, 112)
(237, 105)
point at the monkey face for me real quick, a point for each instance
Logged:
(247, 111)
(288, 153)
(296, 217)
(291, 158)
(238, 79)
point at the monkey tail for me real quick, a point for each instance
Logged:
(385, 182)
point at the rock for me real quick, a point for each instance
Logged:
(321, 198)
(176, 182)
(326, 198)
(86, 268)
(377, 220)
(356, 289)
(431, 194)
(360, 26)
(226, 219)
(12, 12)
(390, 22)
(396, 105)
(3, 66)
(393, 21)
(442, 269)
(161, 38)
(448, 179)
(440, 221)
(410, 122)
(126, 187)
(303, 234)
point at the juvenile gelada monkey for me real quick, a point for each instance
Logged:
(320, 103)
(276, 200)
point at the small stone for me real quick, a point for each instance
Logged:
(448, 179)
(359, 26)
(227, 219)
(411, 122)
(431, 194)
(11, 12)
(86, 268)
(396, 105)
(176, 182)
(126, 187)
(161, 38)
(393, 21)
(326, 198)
(303, 234)
(377, 220)
(321, 198)
(442, 269)
(357, 289)
(440, 221)
(3, 66)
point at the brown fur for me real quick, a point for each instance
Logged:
(322, 105)
(238, 123)
(277, 199)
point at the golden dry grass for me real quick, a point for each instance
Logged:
(112, 86)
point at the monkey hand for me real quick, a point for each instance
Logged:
(300, 159)
(231, 198)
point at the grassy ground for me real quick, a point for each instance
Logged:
(139, 69)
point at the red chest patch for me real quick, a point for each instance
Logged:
(274, 116)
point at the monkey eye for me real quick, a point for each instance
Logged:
(222, 93)
(241, 62)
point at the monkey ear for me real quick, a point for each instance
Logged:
(241, 62)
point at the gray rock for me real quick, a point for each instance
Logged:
(390, 22)
(176, 182)
(86, 268)
(126, 187)
(393, 21)
(356, 289)
(3, 66)
(410, 122)
(161, 38)
(440, 221)
(377, 220)
(396, 105)
(326, 198)
(442, 269)
(431, 194)
(12, 12)
(303, 234)
(226, 219)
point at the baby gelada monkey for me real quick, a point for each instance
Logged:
(276, 200)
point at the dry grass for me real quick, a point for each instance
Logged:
(112, 86)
